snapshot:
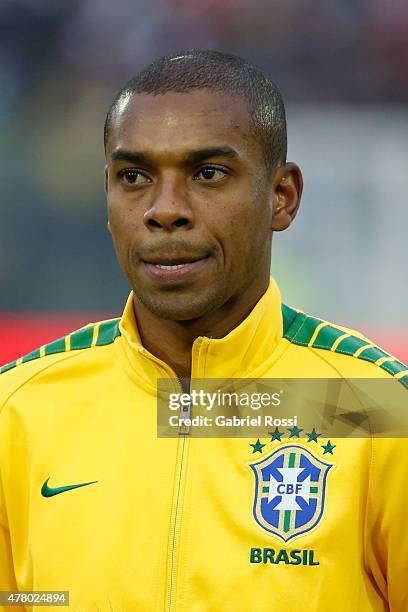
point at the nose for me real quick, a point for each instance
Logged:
(169, 210)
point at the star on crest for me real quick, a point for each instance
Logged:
(276, 435)
(313, 435)
(257, 447)
(294, 431)
(328, 448)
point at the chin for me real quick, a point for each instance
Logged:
(181, 308)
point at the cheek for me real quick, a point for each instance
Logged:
(245, 223)
(245, 236)
(123, 219)
(123, 227)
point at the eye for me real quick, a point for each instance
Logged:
(210, 174)
(133, 177)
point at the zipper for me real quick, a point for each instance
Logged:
(183, 444)
(175, 522)
(180, 485)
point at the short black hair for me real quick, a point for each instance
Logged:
(206, 69)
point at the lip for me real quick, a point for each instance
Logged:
(189, 269)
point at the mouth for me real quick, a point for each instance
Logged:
(174, 268)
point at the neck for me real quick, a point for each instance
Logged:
(171, 341)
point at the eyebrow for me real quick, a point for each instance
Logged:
(133, 157)
(191, 158)
(202, 154)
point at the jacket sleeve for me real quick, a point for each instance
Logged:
(387, 521)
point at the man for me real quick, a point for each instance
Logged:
(91, 500)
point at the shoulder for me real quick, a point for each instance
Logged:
(344, 349)
(50, 357)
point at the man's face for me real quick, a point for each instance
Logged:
(189, 201)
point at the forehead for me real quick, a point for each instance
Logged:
(178, 122)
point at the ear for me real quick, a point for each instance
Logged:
(287, 184)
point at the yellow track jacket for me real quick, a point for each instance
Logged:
(173, 524)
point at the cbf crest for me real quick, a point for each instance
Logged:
(290, 489)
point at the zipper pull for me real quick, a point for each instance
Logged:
(185, 413)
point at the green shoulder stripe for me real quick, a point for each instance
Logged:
(304, 330)
(98, 334)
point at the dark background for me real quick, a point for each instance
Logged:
(342, 67)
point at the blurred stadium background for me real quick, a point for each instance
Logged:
(342, 66)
